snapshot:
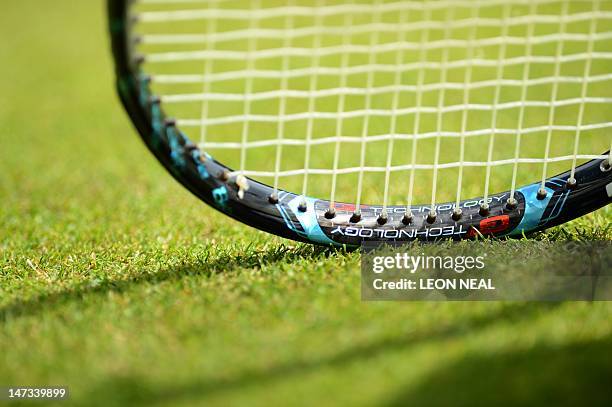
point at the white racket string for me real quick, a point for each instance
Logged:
(283, 100)
(399, 59)
(498, 75)
(466, 98)
(553, 97)
(335, 10)
(211, 27)
(439, 166)
(403, 136)
(440, 113)
(248, 90)
(346, 38)
(418, 101)
(583, 91)
(366, 119)
(523, 104)
(312, 88)
(336, 99)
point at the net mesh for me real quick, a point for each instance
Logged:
(386, 102)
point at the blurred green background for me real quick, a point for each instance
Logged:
(118, 283)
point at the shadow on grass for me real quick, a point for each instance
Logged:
(222, 262)
(135, 390)
(572, 375)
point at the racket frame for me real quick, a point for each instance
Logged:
(284, 213)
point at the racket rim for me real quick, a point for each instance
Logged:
(317, 221)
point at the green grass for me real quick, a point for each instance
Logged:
(118, 283)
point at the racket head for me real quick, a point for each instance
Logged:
(308, 219)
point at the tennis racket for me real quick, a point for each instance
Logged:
(340, 122)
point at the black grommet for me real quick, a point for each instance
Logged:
(541, 194)
(302, 207)
(571, 183)
(383, 218)
(169, 122)
(355, 217)
(431, 217)
(225, 176)
(407, 219)
(605, 165)
(484, 210)
(154, 100)
(511, 204)
(456, 214)
(273, 199)
(330, 214)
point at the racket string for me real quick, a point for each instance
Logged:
(555, 89)
(498, 75)
(283, 100)
(366, 120)
(439, 115)
(424, 39)
(346, 38)
(312, 88)
(464, 117)
(399, 60)
(583, 91)
(423, 50)
(521, 117)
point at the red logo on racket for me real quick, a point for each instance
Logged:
(492, 225)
